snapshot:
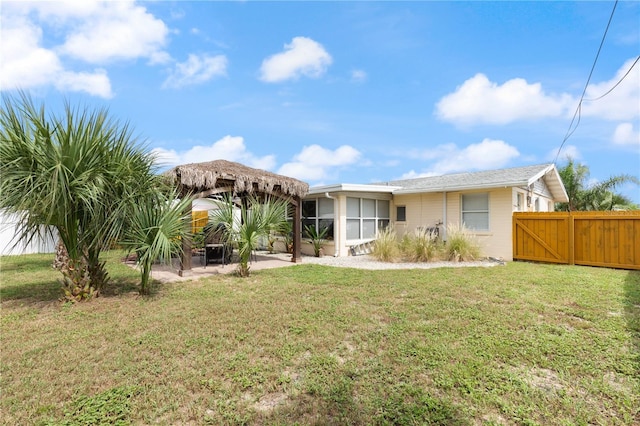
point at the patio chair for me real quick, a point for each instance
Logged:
(216, 248)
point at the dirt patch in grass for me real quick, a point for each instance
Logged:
(542, 379)
(270, 401)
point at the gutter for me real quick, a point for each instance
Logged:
(460, 188)
(444, 216)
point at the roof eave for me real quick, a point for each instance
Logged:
(461, 187)
(556, 186)
(351, 187)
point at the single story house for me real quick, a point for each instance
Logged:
(482, 201)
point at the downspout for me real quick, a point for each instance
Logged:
(335, 216)
(444, 216)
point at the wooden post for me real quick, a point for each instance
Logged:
(572, 238)
(297, 231)
(185, 261)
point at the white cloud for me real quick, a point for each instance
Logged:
(568, 151)
(25, 64)
(314, 162)
(177, 14)
(479, 100)
(623, 103)
(166, 157)
(302, 57)
(116, 31)
(358, 76)
(303, 172)
(96, 83)
(195, 70)
(625, 134)
(92, 32)
(486, 155)
(231, 148)
(318, 156)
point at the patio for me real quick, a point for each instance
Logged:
(266, 260)
(172, 273)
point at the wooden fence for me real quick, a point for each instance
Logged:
(610, 239)
(199, 220)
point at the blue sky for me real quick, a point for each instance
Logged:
(343, 92)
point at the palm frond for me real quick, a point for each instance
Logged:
(82, 173)
(156, 230)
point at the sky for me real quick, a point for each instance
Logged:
(344, 92)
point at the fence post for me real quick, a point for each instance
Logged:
(572, 239)
(514, 236)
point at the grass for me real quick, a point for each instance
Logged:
(520, 344)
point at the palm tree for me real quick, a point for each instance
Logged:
(257, 219)
(155, 232)
(80, 173)
(599, 196)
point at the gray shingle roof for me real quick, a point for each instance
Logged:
(516, 176)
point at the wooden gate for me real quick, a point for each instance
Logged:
(541, 237)
(610, 239)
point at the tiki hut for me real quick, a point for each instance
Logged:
(202, 180)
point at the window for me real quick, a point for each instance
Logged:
(365, 217)
(353, 218)
(537, 204)
(318, 213)
(401, 213)
(475, 211)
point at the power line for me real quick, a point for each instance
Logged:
(616, 85)
(579, 107)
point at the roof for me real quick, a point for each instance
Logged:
(517, 176)
(225, 175)
(352, 187)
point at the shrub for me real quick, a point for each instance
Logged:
(461, 244)
(422, 246)
(316, 239)
(425, 246)
(386, 248)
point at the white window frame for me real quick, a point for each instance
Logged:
(361, 218)
(317, 218)
(475, 211)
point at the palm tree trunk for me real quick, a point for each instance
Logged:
(144, 279)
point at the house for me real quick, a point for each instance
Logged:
(484, 201)
(10, 244)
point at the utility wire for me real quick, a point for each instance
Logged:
(570, 130)
(616, 85)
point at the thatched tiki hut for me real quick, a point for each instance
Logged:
(202, 180)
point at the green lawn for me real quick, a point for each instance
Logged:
(307, 344)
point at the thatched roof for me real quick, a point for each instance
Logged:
(196, 178)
